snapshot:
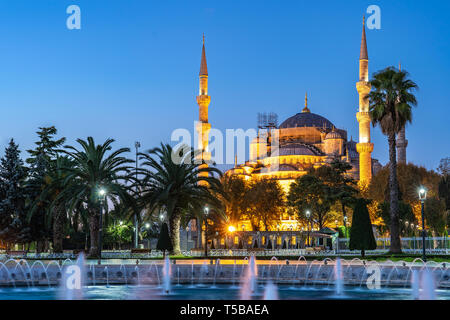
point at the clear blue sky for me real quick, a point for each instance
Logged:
(131, 72)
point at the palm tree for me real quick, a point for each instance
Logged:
(95, 169)
(391, 104)
(176, 186)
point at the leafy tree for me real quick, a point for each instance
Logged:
(361, 233)
(119, 233)
(179, 187)
(234, 198)
(266, 198)
(342, 186)
(391, 101)
(164, 242)
(444, 166)
(309, 192)
(435, 215)
(444, 190)
(410, 177)
(96, 167)
(13, 227)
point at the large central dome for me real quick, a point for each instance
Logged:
(306, 119)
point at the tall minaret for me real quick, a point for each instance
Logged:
(401, 143)
(364, 147)
(203, 127)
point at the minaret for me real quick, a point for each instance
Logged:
(401, 143)
(203, 127)
(364, 147)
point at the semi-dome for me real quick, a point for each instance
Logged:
(306, 119)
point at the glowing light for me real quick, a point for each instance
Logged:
(231, 229)
(422, 193)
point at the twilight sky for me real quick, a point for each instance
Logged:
(131, 72)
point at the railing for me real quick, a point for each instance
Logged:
(413, 245)
(433, 245)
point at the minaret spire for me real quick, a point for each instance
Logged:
(203, 66)
(363, 52)
(364, 147)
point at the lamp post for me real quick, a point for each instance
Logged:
(290, 237)
(231, 229)
(308, 216)
(187, 237)
(147, 226)
(345, 226)
(422, 198)
(206, 231)
(102, 197)
(137, 145)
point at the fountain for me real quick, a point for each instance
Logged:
(166, 275)
(250, 280)
(338, 277)
(415, 285)
(427, 284)
(271, 291)
(73, 280)
(246, 279)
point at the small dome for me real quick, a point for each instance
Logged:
(333, 135)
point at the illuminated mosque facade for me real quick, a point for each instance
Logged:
(304, 140)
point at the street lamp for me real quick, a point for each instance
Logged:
(187, 237)
(206, 230)
(147, 226)
(290, 237)
(422, 198)
(345, 225)
(137, 145)
(231, 229)
(308, 216)
(102, 198)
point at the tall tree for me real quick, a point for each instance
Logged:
(361, 233)
(42, 161)
(173, 180)
(391, 101)
(266, 198)
(13, 227)
(96, 167)
(343, 186)
(309, 192)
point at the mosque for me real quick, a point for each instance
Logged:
(304, 140)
